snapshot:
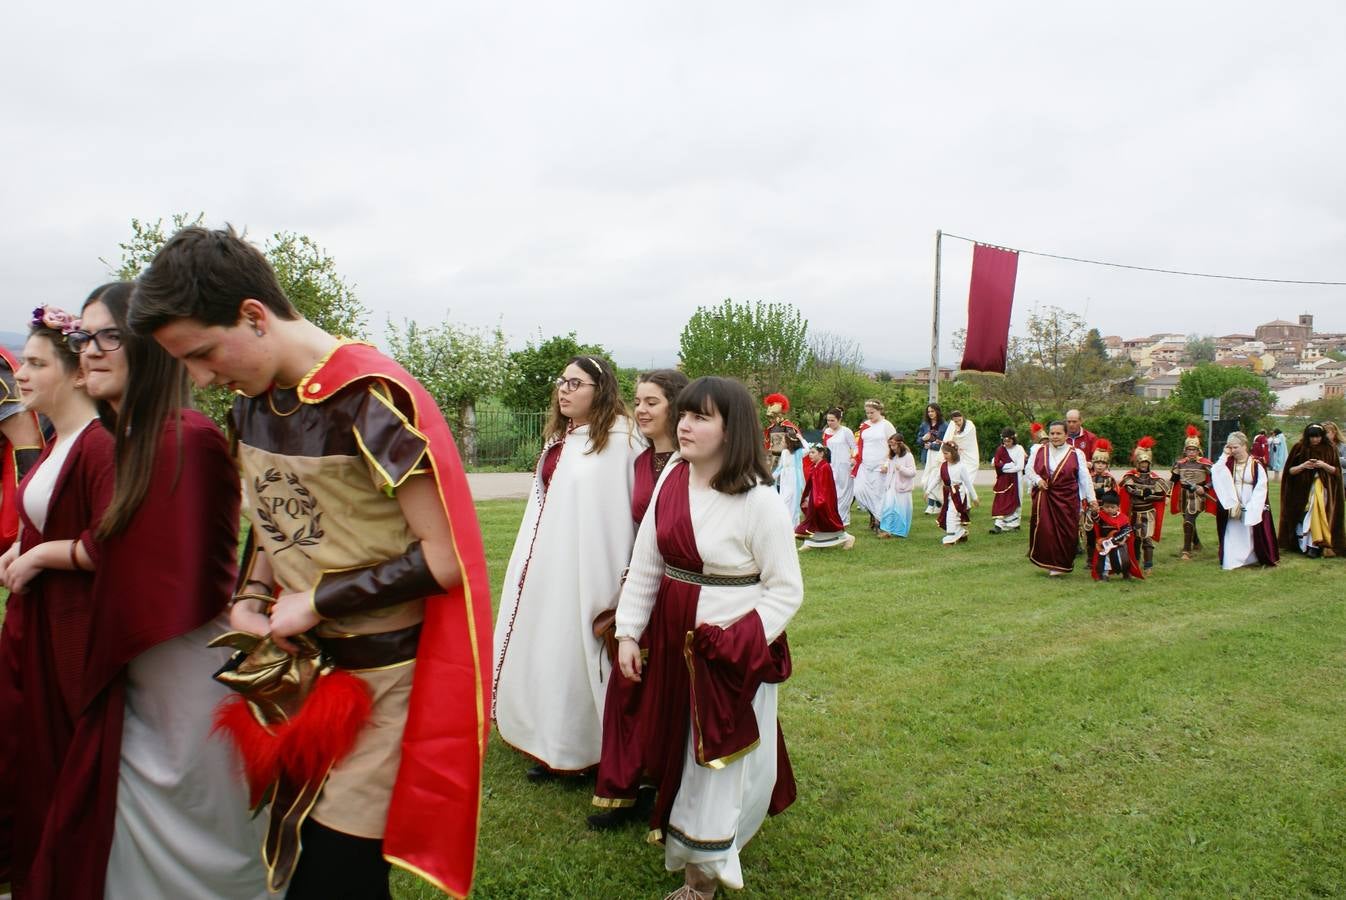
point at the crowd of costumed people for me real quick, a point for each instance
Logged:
(167, 709)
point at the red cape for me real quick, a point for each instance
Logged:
(820, 502)
(1096, 564)
(436, 803)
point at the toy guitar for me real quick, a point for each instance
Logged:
(1112, 543)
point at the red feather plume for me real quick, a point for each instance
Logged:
(1192, 431)
(305, 746)
(772, 399)
(1103, 444)
(1035, 427)
(1146, 442)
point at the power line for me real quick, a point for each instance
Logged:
(1099, 262)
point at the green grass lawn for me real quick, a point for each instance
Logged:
(962, 725)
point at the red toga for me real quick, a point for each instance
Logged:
(1054, 534)
(820, 503)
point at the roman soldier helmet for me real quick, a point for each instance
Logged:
(1144, 451)
(780, 400)
(1193, 439)
(1102, 451)
(1036, 430)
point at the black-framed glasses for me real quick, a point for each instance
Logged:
(106, 339)
(572, 384)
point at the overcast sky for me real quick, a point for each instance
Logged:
(608, 167)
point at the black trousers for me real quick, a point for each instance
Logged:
(338, 866)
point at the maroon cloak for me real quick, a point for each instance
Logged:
(171, 570)
(1006, 485)
(43, 652)
(620, 762)
(729, 668)
(1295, 493)
(1261, 450)
(819, 502)
(1054, 534)
(1264, 532)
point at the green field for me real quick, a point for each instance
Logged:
(962, 725)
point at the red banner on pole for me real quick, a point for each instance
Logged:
(989, 302)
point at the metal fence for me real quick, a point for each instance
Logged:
(501, 439)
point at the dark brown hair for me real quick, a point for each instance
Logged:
(156, 389)
(951, 448)
(670, 382)
(205, 274)
(68, 358)
(902, 448)
(607, 407)
(744, 464)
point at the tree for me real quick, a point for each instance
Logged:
(1249, 405)
(765, 345)
(1058, 363)
(1209, 381)
(1199, 349)
(307, 275)
(458, 366)
(536, 367)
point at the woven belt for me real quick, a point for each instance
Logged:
(688, 577)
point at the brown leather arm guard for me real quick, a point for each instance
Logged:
(384, 584)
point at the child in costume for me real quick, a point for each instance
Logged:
(1009, 462)
(822, 525)
(1114, 541)
(1099, 460)
(786, 445)
(959, 496)
(1143, 494)
(1191, 492)
(895, 520)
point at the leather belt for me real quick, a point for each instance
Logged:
(372, 651)
(689, 577)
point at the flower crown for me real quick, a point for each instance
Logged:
(55, 318)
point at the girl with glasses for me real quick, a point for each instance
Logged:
(551, 671)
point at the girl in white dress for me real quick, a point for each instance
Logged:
(901, 474)
(551, 671)
(714, 581)
(1240, 484)
(963, 432)
(872, 454)
(840, 441)
(959, 495)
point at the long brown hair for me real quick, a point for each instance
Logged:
(670, 382)
(743, 465)
(156, 388)
(607, 407)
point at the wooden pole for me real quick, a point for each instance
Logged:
(934, 326)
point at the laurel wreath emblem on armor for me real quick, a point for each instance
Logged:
(309, 532)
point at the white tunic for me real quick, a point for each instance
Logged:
(550, 672)
(841, 444)
(870, 483)
(1056, 456)
(1238, 490)
(42, 480)
(183, 829)
(736, 534)
(969, 453)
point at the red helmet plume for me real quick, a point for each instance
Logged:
(1103, 444)
(773, 399)
(1035, 427)
(1192, 431)
(1145, 443)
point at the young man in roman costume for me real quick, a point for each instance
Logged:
(1190, 490)
(1143, 495)
(364, 544)
(1059, 479)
